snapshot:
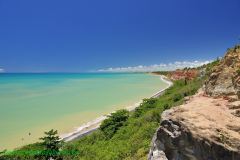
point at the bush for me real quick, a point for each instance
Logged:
(166, 106)
(145, 105)
(238, 72)
(114, 122)
(52, 144)
(177, 97)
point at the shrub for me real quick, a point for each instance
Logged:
(166, 106)
(52, 144)
(145, 105)
(177, 97)
(114, 122)
(238, 72)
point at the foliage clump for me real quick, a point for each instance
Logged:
(52, 144)
(114, 122)
(238, 72)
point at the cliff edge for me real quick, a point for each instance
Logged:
(224, 78)
(207, 125)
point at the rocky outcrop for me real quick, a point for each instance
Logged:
(207, 126)
(225, 77)
(202, 129)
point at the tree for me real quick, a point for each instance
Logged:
(52, 144)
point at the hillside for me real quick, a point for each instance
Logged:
(207, 125)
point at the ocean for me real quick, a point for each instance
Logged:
(31, 103)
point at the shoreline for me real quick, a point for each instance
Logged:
(93, 125)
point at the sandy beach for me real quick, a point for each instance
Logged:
(93, 125)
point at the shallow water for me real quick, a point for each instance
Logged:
(33, 103)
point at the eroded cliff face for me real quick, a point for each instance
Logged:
(207, 125)
(202, 129)
(224, 79)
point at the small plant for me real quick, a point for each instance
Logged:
(52, 144)
(237, 47)
(166, 106)
(230, 49)
(222, 137)
(238, 72)
(3, 152)
(177, 97)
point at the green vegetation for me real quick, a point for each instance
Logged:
(123, 135)
(161, 72)
(238, 72)
(52, 144)
(49, 148)
(237, 47)
(234, 49)
(116, 120)
(2, 152)
(210, 66)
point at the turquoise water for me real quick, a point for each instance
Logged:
(33, 103)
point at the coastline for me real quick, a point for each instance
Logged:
(93, 125)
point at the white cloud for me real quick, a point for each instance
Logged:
(157, 67)
(1, 70)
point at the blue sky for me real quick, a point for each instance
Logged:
(83, 35)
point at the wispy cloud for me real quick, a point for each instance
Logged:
(1, 70)
(157, 67)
